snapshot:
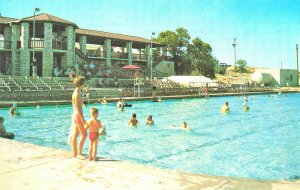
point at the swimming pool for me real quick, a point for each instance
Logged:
(262, 143)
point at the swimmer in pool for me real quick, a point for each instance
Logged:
(245, 107)
(133, 121)
(225, 107)
(120, 104)
(13, 111)
(149, 120)
(245, 98)
(183, 126)
(103, 101)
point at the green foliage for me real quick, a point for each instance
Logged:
(220, 70)
(155, 53)
(176, 43)
(189, 57)
(195, 73)
(242, 65)
(201, 55)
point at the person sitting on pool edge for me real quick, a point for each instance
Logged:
(149, 120)
(183, 126)
(133, 121)
(14, 110)
(3, 132)
(225, 107)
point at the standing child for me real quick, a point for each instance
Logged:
(206, 91)
(94, 125)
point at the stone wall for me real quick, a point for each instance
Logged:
(129, 51)
(24, 51)
(82, 44)
(47, 63)
(15, 59)
(70, 32)
(7, 33)
(108, 51)
(48, 52)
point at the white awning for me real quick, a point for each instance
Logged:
(193, 81)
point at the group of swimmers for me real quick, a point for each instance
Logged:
(134, 122)
(225, 108)
(149, 121)
(94, 126)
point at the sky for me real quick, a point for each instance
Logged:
(267, 31)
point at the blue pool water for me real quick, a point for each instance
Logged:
(263, 143)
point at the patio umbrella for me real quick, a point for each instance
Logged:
(130, 67)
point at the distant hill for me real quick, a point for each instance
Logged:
(232, 76)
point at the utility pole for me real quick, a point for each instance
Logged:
(297, 64)
(234, 46)
(297, 57)
(151, 62)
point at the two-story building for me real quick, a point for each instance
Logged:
(61, 43)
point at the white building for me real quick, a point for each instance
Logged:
(280, 77)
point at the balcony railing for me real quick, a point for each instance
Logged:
(119, 55)
(96, 54)
(37, 44)
(58, 44)
(139, 56)
(163, 58)
(5, 44)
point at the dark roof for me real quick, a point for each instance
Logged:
(109, 35)
(92, 33)
(48, 17)
(6, 20)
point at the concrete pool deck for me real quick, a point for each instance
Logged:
(5, 104)
(27, 166)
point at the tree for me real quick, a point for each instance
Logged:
(176, 43)
(200, 54)
(188, 57)
(242, 65)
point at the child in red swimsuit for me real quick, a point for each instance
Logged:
(94, 125)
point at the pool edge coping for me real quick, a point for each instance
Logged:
(8, 104)
(146, 169)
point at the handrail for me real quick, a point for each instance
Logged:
(137, 56)
(96, 53)
(59, 44)
(81, 55)
(120, 55)
(37, 43)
